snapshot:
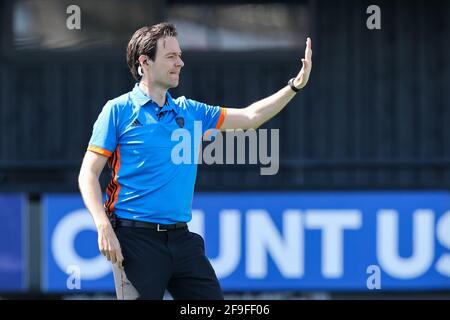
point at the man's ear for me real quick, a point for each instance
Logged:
(143, 60)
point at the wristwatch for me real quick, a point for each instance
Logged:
(291, 84)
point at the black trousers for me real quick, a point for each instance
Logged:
(174, 260)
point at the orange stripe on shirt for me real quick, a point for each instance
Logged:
(116, 186)
(223, 113)
(111, 185)
(99, 150)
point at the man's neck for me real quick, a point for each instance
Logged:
(156, 93)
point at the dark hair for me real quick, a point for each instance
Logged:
(144, 41)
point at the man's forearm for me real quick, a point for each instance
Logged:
(265, 109)
(92, 196)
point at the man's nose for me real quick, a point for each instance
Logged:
(180, 62)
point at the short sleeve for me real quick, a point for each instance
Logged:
(104, 133)
(211, 117)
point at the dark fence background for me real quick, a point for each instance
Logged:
(375, 114)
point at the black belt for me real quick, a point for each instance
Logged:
(149, 225)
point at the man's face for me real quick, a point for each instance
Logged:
(165, 70)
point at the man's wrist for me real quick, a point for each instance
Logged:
(291, 84)
(102, 222)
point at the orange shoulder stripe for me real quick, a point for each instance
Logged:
(99, 150)
(223, 113)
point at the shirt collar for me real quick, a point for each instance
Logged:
(169, 105)
(140, 99)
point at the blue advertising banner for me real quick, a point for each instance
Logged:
(327, 241)
(354, 241)
(13, 246)
(71, 259)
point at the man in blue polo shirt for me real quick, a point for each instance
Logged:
(142, 226)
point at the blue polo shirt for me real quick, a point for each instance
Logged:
(136, 135)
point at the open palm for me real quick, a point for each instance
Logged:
(302, 78)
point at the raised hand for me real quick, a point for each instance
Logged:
(302, 78)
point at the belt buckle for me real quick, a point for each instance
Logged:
(159, 229)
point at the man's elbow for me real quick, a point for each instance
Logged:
(256, 123)
(81, 179)
(84, 177)
(253, 121)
